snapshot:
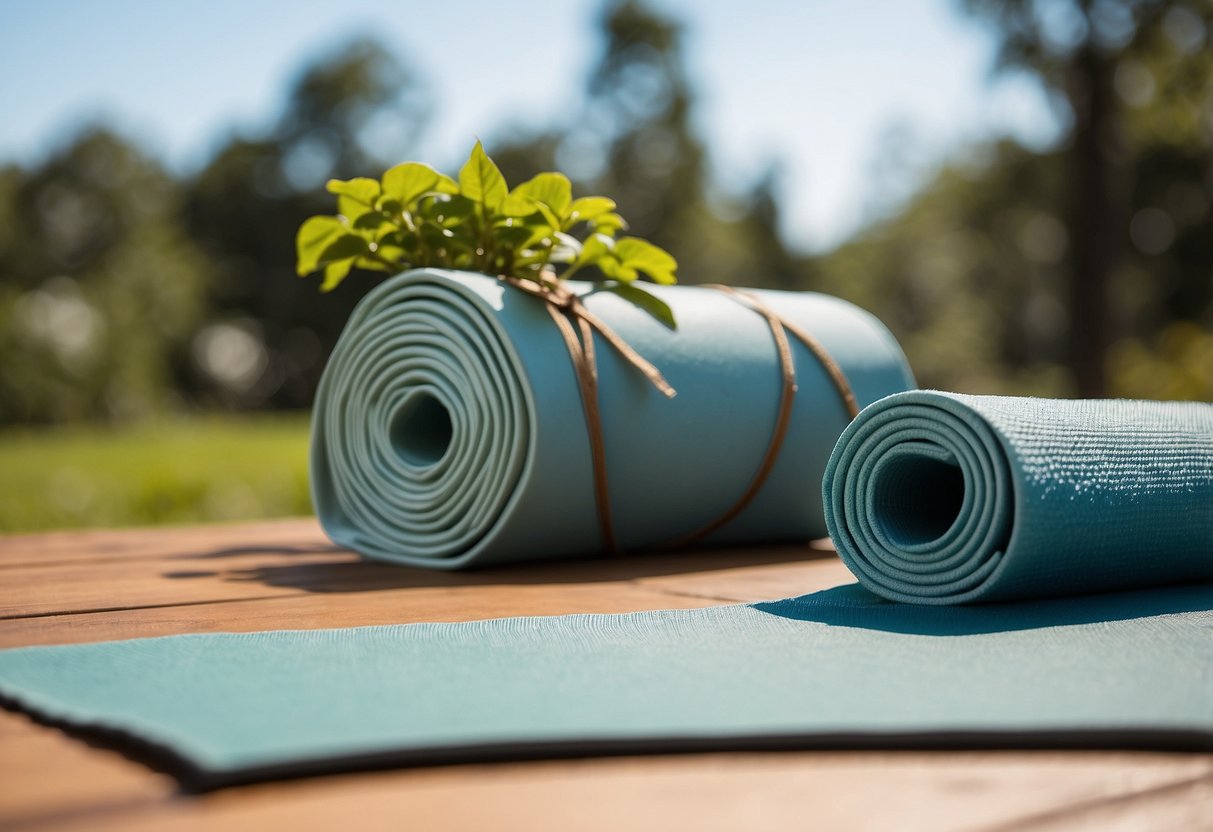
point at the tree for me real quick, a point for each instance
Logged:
(1080, 49)
(635, 140)
(639, 102)
(972, 274)
(246, 205)
(101, 290)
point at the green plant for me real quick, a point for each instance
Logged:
(415, 216)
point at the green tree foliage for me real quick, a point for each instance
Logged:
(640, 107)
(975, 273)
(1100, 56)
(969, 274)
(1165, 287)
(246, 205)
(634, 137)
(101, 287)
(1082, 269)
(640, 112)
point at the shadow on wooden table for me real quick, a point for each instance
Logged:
(347, 572)
(854, 606)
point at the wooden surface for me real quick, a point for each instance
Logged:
(75, 587)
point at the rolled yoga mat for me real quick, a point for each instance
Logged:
(941, 498)
(449, 430)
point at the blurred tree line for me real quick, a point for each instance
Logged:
(1083, 270)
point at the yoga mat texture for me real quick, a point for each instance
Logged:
(448, 427)
(940, 498)
(839, 669)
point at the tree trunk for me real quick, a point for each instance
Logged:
(1096, 221)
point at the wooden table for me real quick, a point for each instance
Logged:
(90, 586)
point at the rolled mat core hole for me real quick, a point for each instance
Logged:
(420, 430)
(917, 497)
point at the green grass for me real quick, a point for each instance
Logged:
(186, 470)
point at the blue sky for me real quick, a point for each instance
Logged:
(853, 98)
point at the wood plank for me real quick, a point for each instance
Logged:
(844, 790)
(46, 773)
(1186, 804)
(206, 568)
(367, 605)
(316, 611)
(52, 780)
(815, 567)
(300, 534)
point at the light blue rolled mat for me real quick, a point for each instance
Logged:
(837, 669)
(448, 428)
(941, 498)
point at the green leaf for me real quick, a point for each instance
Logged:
(479, 179)
(518, 205)
(589, 207)
(347, 245)
(388, 233)
(336, 272)
(608, 224)
(513, 236)
(552, 189)
(531, 258)
(549, 217)
(595, 248)
(452, 211)
(643, 256)
(352, 209)
(388, 205)
(436, 237)
(362, 189)
(391, 253)
(410, 180)
(313, 237)
(615, 270)
(650, 303)
(541, 235)
(373, 222)
(372, 265)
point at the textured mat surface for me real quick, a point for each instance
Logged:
(448, 428)
(940, 498)
(840, 668)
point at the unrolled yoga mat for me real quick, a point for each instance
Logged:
(840, 669)
(940, 498)
(448, 428)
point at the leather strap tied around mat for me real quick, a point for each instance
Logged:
(562, 304)
(780, 326)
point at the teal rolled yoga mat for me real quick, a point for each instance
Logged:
(448, 428)
(836, 669)
(941, 498)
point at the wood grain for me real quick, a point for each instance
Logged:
(90, 586)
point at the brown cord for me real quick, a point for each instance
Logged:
(780, 326)
(562, 304)
(832, 367)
